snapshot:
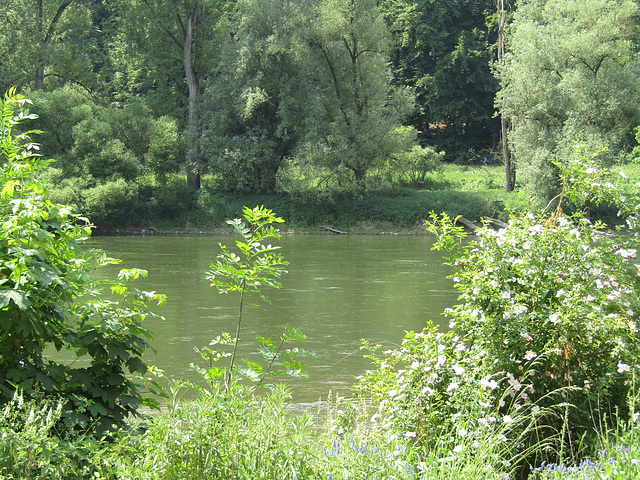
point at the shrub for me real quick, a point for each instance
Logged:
(111, 202)
(49, 300)
(547, 322)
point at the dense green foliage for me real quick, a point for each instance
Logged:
(444, 49)
(261, 96)
(569, 76)
(312, 98)
(49, 302)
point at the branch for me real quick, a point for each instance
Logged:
(52, 26)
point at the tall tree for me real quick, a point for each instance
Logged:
(46, 38)
(506, 158)
(570, 74)
(172, 33)
(444, 50)
(255, 106)
(361, 104)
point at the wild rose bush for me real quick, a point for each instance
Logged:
(424, 388)
(547, 320)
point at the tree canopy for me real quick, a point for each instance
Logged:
(569, 75)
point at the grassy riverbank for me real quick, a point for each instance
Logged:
(470, 191)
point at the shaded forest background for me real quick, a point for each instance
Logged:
(166, 111)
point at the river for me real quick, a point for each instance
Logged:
(338, 290)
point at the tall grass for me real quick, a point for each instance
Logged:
(236, 435)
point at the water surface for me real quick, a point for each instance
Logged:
(338, 290)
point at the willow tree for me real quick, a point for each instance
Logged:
(256, 104)
(362, 105)
(569, 75)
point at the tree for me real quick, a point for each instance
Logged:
(177, 35)
(256, 105)
(569, 75)
(361, 105)
(444, 50)
(46, 38)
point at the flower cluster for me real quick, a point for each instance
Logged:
(553, 301)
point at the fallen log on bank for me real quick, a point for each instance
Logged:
(468, 224)
(333, 230)
(494, 221)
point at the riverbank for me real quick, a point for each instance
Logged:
(472, 192)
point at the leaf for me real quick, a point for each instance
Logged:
(9, 189)
(18, 297)
(97, 409)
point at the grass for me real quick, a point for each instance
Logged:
(238, 436)
(472, 191)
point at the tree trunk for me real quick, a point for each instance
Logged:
(361, 178)
(508, 168)
(39, 48)
(194, 85)
(44, 39)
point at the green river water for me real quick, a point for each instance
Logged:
(338, 290)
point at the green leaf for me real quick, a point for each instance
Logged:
(18, 297)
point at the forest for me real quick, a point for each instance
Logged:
(155, 109)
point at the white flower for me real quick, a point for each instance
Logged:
(458, 448)
(591, 170)
(530, 355)
(520, 309)
(560, 293)
(492, 384)
(392, 393)
(526, 336)
(506, 295)
(622, 174)
(415, 365)
(623, 367)
(452, 386)
(458, 369)
(462, 432)
(507, 419)
(410, 434)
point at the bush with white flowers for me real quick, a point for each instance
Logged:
(547, 324)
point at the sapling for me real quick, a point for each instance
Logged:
(257, 265)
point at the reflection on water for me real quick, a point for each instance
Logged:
(339, 289)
